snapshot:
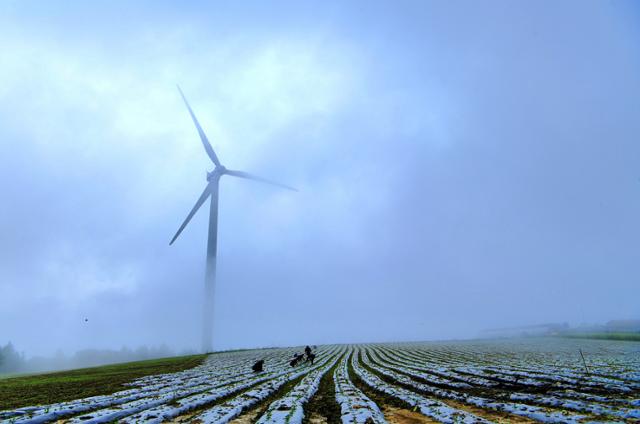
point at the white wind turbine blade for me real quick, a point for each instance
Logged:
(203, 137)
(242, 174)
(205, 194)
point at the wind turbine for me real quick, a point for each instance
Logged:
(211, 190)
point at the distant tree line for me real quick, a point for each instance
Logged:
(12, 361)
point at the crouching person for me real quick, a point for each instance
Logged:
(257, 367)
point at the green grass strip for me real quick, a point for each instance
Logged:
(632, 337)
(43, 389)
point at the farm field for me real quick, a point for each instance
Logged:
(515, 381)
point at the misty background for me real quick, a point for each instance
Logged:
(461, 166)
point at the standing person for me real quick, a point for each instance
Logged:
(310, 355)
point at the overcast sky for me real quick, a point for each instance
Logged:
(461, 166)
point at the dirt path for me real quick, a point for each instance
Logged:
(395, 415)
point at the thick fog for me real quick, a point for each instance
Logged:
(460, 166)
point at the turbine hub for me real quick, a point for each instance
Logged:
(216, 173)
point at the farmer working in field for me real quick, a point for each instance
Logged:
(257, 367)
(310, 355)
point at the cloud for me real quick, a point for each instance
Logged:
(458, 168)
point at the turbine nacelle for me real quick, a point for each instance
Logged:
(216, 173)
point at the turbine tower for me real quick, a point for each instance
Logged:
(211, 190)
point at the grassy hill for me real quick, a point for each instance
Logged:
(60, 386)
